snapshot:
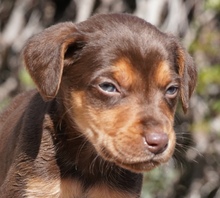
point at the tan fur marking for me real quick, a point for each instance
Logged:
(106, 192)
(124, 73)
(78, 99)
(181, 62)
(163, 74)
(70, 189)
(78, 103)
(38, 187)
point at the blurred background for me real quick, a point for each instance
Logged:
(194, 172)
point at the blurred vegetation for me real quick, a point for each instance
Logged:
(195, 170)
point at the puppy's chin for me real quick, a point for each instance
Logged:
(136, 164)
(141, 166)
(138, 167)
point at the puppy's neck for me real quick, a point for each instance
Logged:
(77, 159)
(75, 154)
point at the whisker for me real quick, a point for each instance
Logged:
(79, 151)
(92, 165)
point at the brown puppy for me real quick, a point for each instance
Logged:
(103, 113)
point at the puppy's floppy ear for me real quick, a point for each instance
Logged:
(44, 56)
(188, 73)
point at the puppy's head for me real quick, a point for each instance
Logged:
(120, 79)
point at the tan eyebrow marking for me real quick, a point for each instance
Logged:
(124, 73)
(163, 74)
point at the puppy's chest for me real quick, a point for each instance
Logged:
(71, 188)
(68, 188)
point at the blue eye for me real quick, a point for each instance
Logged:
(108, 87)
(172, 91)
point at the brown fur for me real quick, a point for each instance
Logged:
(103, 112)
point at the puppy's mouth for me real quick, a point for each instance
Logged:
(142, 164)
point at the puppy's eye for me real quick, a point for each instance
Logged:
(172, 91)
(108, 87)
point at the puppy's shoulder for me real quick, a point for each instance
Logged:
(18, 104)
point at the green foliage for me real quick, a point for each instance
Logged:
(209, 86)
(213, 4)
(207, 43)
(216, 106)
(4, 103)
(208, 76)
(161, 179)
(25, 79)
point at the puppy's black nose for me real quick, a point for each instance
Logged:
(156, 142)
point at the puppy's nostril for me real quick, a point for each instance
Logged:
(156, 142)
